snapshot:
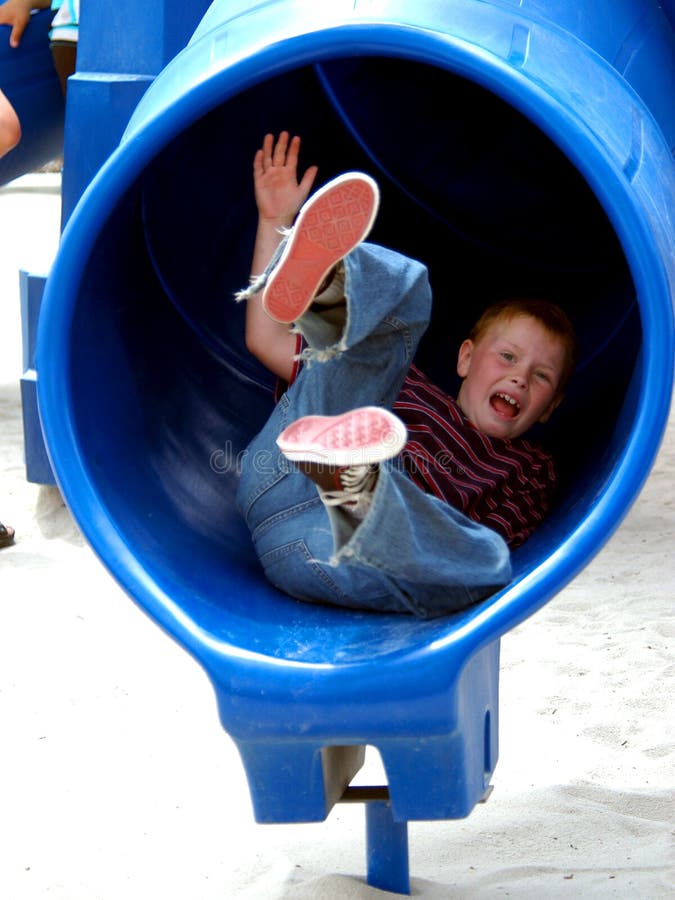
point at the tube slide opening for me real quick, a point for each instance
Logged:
(162, 396)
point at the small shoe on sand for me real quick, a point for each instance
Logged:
(6, 535)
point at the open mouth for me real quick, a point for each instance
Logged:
(505, 405)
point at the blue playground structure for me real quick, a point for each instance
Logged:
(520, 148)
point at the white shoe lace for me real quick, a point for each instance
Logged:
(357, 493)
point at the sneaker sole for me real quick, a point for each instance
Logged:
(362, 436)
(332, 222)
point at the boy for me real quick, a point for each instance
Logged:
(349, 502)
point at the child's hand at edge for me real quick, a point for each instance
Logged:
(278, 193)
(278, 196)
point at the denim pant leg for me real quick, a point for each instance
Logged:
(436, 560)
(320, 554)
(364, 360)
(292, 531)
(412, 553)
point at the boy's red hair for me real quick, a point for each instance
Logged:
(549, 314)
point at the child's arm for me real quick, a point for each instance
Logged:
(278, 196)
(10, 127)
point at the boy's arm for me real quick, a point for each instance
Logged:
(279, 195)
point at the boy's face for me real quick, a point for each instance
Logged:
(511, 376)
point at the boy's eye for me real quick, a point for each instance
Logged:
(508, 356)
(543, 376)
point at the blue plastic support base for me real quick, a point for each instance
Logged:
(38, 467)
(386, 849)
(105, 104)
(317, 777)
(446, 729)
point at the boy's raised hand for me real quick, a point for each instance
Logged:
(278, 196)
(278, 193)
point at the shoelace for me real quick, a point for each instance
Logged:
(357, 483)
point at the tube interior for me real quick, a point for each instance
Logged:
(469, 186)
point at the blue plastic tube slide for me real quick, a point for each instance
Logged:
(521, 147)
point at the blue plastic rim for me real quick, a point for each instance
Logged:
(526, 147)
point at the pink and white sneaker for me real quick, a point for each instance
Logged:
(340, 453)
(369, 434)
(331, 223)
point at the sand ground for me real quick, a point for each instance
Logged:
(117, 782)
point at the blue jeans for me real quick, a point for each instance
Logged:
(412, 553)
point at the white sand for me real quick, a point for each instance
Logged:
(117, 782)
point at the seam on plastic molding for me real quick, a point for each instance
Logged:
(520, 46)
(634, 161)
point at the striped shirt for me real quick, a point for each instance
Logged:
(505, 485)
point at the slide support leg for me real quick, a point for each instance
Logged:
(386, 849)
